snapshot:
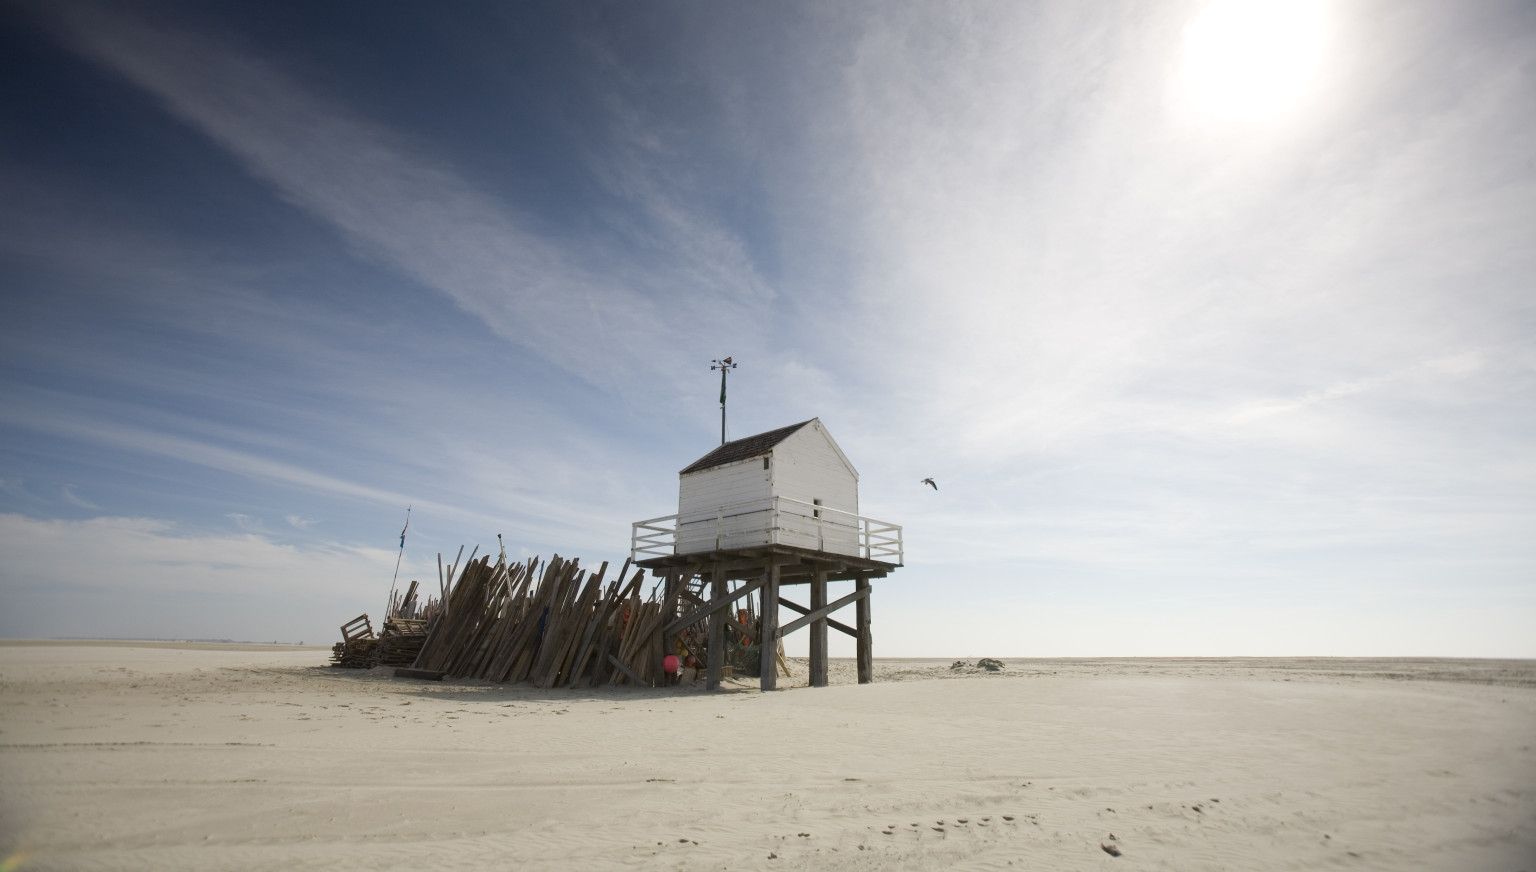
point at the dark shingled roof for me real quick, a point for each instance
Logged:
(743, 449)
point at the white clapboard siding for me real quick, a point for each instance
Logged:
(732, 506)
(809, 466)
(706, 491)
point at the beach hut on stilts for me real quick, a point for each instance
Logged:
(757, 518)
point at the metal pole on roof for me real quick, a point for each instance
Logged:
(724, 365)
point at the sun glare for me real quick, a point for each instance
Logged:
(1252, 60)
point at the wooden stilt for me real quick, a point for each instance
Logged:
(865, 641)
(673, 584)
(769, 670)
(819, 630)
(717, 621)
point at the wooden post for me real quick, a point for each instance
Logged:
(716, 653)
(866, 642)
(819, 630)
(768, 672)
(674, 585)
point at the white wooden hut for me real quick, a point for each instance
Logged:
(790, 486)
(777, 508)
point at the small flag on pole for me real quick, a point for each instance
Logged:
(406, 527)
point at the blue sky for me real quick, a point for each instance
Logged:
(1213, 321)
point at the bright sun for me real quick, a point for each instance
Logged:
(1252, 60)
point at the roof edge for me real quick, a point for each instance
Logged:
(745, 448)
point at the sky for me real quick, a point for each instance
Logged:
(1212, 321)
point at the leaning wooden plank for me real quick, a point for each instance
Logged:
(629, 616)
(645, 643)
(611, 632)
(475, 578)
(629, 673)
(581, 627)
(497, 609)
(489, 630)
(519, 607)
(577, 674)
(549, 643)
(445, 632)
(538, 621)
(514, 612)
(469, 606)
(599, 613)
(564, 637)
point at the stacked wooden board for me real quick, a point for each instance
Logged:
(398, 644)
(355, 654)
(554, 625)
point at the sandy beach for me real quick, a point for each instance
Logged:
(165, 756)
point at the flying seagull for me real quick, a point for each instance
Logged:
(929, 482)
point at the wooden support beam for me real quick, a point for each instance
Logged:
(865, 646)
(717, 619)
(736, 567)
(711, 607)
(768, 670)
(821, 612)
(834, 624)
(819, 629)
(674, 584)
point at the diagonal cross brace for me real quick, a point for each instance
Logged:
(836, 625)
(711, 607)
(822, 612)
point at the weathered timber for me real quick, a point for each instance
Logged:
(714, 605)
(821, 612)
(550, 624)
(768, 672)
(865, 647)
(630, 673)
(715, 666)
(834, 624)
(357, 628)
(818, 616)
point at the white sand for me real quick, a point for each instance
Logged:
(118, 757)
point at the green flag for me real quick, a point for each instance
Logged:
(722, 385)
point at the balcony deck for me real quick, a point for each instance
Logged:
(790, 533)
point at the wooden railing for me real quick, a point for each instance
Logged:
(770, 521)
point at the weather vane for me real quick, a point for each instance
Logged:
(724, 365)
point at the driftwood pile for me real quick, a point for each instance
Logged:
(398, 645)
(554, 625)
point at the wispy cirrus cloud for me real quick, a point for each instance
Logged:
(381, 193)
(74, 499)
